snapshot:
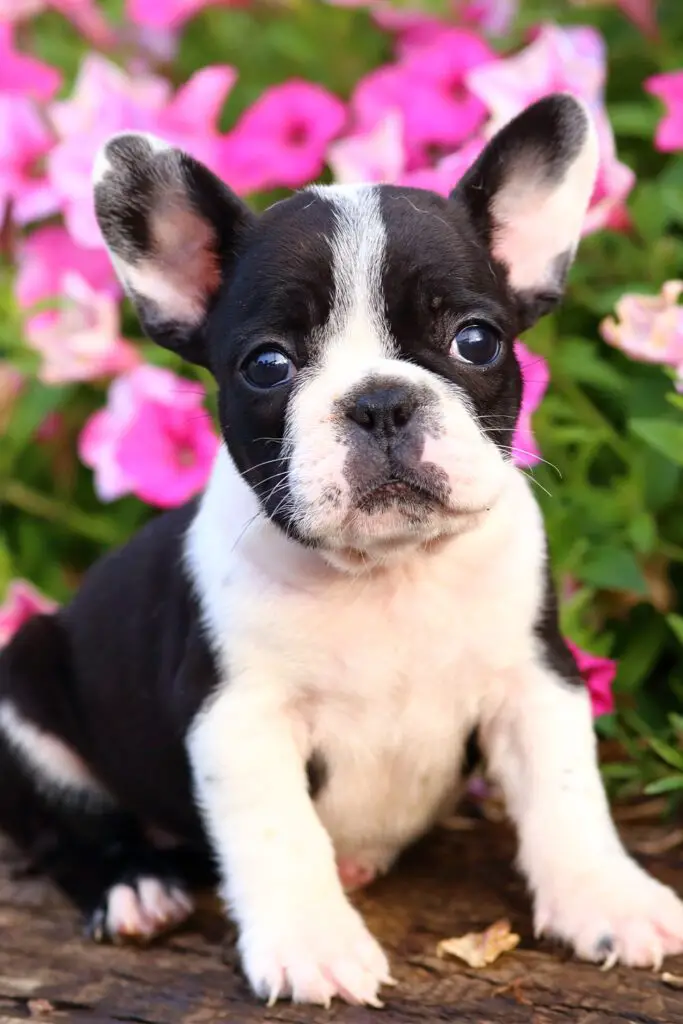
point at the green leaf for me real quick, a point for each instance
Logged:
(676, 624)
(666, 752)
(611, 568)
(668, 784)
(665, 436)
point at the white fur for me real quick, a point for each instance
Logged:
(54, 764)
(536, 221)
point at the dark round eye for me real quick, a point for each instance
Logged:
(268, 368)
(478, 344)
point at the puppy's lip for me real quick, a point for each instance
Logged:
(398, 491)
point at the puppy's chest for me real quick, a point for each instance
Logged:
(391, 694)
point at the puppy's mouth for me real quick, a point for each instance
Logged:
(399, 493)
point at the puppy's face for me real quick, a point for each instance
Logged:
(361, 338)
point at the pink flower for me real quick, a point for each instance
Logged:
(447, 172)
(153, 439)
(378, 155)
(648, 327)
(282, 138)
(24, 142)
(561, 60)
(168, 13)
(669, 88)
(558, 60)
(613, 184)
(535, 377)
(428, 89)
(494, 17)
(106, 100)
(375, 155)
(598, 674)
(48, 255)
(80, 340)
(22, 602)
(22, 75)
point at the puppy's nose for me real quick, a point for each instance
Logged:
(384, 410)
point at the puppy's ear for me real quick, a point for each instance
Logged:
(172, 230)
(527, 196)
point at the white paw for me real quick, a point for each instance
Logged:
(614, 914)
(314, 954)
(141, 910)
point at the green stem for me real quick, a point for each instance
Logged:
(35, 504)
(593, 415)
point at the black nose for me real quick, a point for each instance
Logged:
(383, 411)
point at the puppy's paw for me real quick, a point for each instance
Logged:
(313, 955)
(614, 914)
(139, 910)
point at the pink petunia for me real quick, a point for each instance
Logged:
(378, 155)
(281, 140)
(24, 142)
(648, 327)
(668, 87)
(428, 89)
(374, 155)
(106, 100)
(535, 377)
(48, 255)
(170, 14)
(21, 603)
(21, 75)
(446, 172)
(561, 60)
(80, 340)
(598, 674)
(153, 439)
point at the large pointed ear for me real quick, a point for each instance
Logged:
(172, 230)
(527, 196)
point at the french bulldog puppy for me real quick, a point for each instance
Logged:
(285, 672)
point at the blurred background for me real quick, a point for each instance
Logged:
(99, 430)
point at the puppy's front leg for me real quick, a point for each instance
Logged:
(587, 890)
(299, 936)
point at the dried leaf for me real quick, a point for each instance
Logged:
(479, 949)
(40, 1007)
(672, 980)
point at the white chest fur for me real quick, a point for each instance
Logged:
(382, 675)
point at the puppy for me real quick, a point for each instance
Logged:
(286, 672)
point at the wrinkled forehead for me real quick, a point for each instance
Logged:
(334, 261)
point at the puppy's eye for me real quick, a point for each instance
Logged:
(478, 344)
(268, 368)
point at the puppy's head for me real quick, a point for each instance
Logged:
(361, 338)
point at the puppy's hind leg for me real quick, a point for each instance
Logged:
(57, 812)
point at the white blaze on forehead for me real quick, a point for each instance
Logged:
(356, 333)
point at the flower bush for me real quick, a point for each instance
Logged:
(100, 429)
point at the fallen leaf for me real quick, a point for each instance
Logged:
(672, 980)
(479, 949)
(40, 1007)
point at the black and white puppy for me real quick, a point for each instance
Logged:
(286, 672)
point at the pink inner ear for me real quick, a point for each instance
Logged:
(183, 269)
(536, 221)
